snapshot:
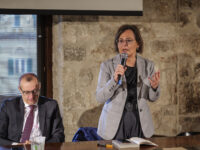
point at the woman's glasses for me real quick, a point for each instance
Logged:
(127, 41)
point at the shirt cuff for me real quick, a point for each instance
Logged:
(15, 143)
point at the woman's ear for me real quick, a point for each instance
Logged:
(137, 49)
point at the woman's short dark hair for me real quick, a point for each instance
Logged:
(136, 32)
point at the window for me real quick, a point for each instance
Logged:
(18, 52)
(17, 20)
(25, 46)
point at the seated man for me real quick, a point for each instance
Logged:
(25, 117)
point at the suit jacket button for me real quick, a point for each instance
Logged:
(140, 110)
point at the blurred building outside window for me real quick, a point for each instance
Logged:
(18, 50)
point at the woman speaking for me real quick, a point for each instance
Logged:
(126, 113)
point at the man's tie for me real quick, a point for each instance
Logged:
(28, 125)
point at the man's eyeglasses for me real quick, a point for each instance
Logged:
(34, 92)
(127, 41)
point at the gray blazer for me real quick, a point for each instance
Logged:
(114, 97)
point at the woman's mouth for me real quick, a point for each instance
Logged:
(124, 50)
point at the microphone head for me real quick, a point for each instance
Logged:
(124, 56)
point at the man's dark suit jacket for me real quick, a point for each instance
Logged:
(12, 117)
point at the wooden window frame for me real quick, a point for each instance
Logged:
(45, 54)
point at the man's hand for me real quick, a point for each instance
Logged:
(27, 142)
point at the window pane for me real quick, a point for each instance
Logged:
(18, 50)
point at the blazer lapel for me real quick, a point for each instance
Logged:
(116, 61)
(140, 71)
(42, 114)
(20, 115)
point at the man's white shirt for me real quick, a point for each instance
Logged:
(36, 125)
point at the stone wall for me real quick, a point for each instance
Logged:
(171, 34)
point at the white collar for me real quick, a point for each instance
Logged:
(27, 105)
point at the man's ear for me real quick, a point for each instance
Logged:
(39, 85)
(19, 88)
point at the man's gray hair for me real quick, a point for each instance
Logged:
(28, 77)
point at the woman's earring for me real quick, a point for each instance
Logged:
(137, 49)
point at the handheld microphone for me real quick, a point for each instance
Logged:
(124, 57)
